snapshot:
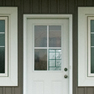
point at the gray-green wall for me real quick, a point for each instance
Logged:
(47, 7)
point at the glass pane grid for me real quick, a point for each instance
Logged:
(92, 45)
(2, 46)
(54, 61)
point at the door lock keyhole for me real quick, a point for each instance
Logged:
(65, 69)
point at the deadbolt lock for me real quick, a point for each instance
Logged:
(65, 69)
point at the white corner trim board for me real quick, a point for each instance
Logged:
(29, 16)
(11, 46)
(85, 78)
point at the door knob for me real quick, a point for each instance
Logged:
(65, 76)
(65, 69)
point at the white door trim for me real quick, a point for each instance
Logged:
(59, 16)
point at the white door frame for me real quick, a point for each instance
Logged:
(55, 16)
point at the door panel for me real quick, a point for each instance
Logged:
(48, 56)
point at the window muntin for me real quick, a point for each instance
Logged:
(48, 39)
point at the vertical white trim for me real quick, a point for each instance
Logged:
(70, 56)
(12, 78)
(69, 16)
(47, 47)
(33, 67)
(89, 48)
(84, 46)
(24, 55)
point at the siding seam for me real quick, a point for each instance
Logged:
(32, 6)
(58, 5)
(49, 6)
(40, 7)
(85, 90)
(76, 90)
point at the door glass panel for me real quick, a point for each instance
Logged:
(52, 55)
(54, 36)
(51, 63)
(40, 36)
(46, 38)
(54, 60)
(40, 59)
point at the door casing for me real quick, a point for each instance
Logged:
(59, 16)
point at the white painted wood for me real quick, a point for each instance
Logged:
(47, 44)
(57, 87)
(38, 87)
(11, 50)
(28, 87)
(84, 78)
(46, 47)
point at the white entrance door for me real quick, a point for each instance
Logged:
(47, 56)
